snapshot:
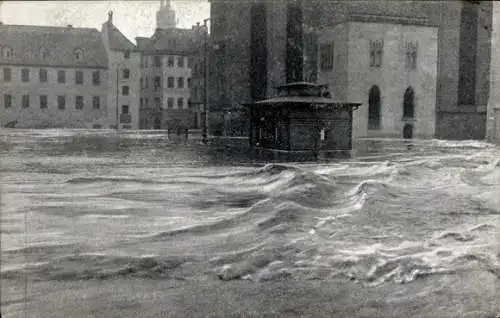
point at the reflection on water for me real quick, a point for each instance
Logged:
(79, 205)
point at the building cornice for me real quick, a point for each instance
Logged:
(54, 66)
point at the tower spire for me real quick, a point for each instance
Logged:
(165, 17)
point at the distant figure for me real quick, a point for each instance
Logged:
(408, 134)
(186, 134)
(408, 131)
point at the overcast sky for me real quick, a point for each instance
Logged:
(133, 18)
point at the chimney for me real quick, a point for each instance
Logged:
(110, 17)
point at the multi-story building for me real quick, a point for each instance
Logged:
(388, 66)
(53, 77)
(124, 90)
(262, 45)
(166, 60)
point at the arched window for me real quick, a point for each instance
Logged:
(468, 50)
(374, 108)
(409, 103)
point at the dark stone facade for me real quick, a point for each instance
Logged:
(464, 33)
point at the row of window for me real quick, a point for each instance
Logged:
(181, 103)
(157, 82)
(43, 76)
(327, 57)
(374, 106)
(157, 61)
(43, 101)
(78, 53)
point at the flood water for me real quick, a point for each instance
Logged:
(131, 224)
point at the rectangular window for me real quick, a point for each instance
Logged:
(180, 61)
(141, 85)
(125, 117)
(7, 100)
(171, 61)
(126, 73)
(7, 74)
(376, 52)
(79, 102)
(125, 90)
(180, 103)
(126, 55)
(26, 101)
(42, 75)
(25, 75)
(180, 82)
(96, 102)
(96, 78)
(43, 101)
(170, 102)
(146, 61)
(189, 82)
(141, 104)
(157, 60)
(146, 102)
(146, 82)
(61, 102)
(195, 93)
(79, 77)
(157, 83)
(157, 102)
(327, 56)
(411, 55)
(170, 82)
(61, 76)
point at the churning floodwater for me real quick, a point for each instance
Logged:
(398, 229)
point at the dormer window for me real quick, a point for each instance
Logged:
(8, 52)
(44, 53)
(78, 54)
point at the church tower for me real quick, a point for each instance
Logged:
(165, 17)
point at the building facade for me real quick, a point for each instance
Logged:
(166, 75)
(278, 42)
(123, 88)
(390, 68)
(53, 77)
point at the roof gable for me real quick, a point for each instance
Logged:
(117, 41)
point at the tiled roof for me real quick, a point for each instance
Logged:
(170, 40)
(118, 41)
(51, 46)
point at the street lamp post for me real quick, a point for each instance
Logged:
(118, 66)
(205, 85)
